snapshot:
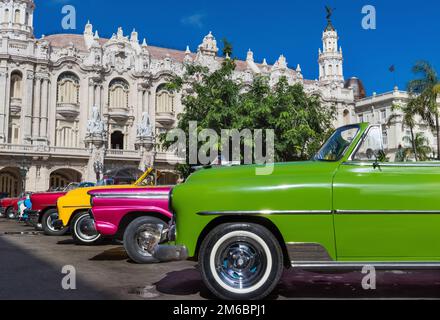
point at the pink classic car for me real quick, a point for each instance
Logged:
(138, 216)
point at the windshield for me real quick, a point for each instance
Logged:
(71, 186)
(337, 144)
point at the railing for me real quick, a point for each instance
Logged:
(123, 153)
(36, 149)
(161, 154)
(390, 94)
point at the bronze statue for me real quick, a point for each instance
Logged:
(330, 11)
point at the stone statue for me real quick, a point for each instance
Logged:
(144, 128)
(95, 126)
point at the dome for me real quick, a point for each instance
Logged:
(358, 88)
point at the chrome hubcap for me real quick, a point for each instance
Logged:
(240, 263)
(53, 217)
(147, 237)
(85, 229)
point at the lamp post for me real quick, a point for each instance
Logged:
(24, 169)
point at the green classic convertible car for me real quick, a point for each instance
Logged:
(350, 206)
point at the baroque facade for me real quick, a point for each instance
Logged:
(72, 105)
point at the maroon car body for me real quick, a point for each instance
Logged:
(42, 203)
(138, 216)
(8, 204)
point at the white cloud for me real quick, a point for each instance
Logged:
(195, 20)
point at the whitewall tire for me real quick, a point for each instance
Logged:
(241, 261)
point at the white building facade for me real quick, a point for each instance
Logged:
(71, 105)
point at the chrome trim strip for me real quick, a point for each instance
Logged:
(354, 265)
(264, 212)
(131, 195)
(387, 211)
(395, 164)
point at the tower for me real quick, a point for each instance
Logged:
(330, 57)
(16, 18)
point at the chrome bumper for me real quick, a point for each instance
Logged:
(168, 253)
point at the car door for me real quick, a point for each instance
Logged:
(386, 211)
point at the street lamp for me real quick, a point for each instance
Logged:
(24, 169)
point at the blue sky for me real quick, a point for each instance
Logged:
(407, 31)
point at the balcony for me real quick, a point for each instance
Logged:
(112, 154)
(43, 151)
(165, 118)
(68, 110)
(119, 114)
(16, 104)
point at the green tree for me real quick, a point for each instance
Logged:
(408, 113)
(421, 146)
(217, 101)
(426, 90)
(227, 48)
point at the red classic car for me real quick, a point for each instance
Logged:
(138, 216)
(9, 207)
(44, 212)
(44, 209)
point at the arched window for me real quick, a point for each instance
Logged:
(118, 94)
(27, 18)
(6, 16)
(61, 178)
(164, 100)
(17, 17)
(68, 88)
(117, 140)
(9, 183)
(16, 85)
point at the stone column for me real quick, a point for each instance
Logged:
(146, 101)
(146, 149)
(3, 106)
(27, 108)
(36, 110)
(140, 103)
(44, 108)
(43, 176)
(98, 98)
(91, 99)
(152, 105)
(95, 144)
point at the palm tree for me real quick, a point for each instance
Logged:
(426, 90)
(421, 147)
(408, 113)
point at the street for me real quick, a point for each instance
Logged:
(31, 265)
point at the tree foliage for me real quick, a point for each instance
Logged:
(218, 101)
(425, 91)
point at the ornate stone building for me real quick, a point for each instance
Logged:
(71, 105)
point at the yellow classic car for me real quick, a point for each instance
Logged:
(73, 209)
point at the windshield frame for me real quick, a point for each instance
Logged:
(361, 141)
(347, 148)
